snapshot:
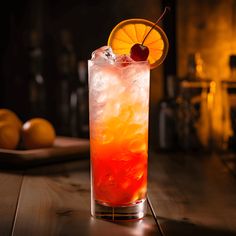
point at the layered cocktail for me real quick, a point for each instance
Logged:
(118, 109)
(119, 98)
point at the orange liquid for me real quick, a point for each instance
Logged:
(119, 104)
(119, 164)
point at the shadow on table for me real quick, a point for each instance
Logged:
(184, 228)
(142, 227)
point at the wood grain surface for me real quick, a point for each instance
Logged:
(188, 195)
(192, 195)
(55, 200)
(10, 185)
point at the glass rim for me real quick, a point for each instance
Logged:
(118, 63)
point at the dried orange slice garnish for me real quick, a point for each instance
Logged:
(130, 32)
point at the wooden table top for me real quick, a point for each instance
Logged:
(188, 195)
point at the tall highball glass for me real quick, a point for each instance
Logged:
(118, 112)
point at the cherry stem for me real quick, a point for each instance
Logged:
(162, 15)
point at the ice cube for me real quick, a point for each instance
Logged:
(104, 54)
(103, 77)
(137, 146)
(101, 98)
(141, 117)
(116, 107)
(137, 74)
(95, 113)
(137, 83)
(123, 60)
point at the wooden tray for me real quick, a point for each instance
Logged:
(64, 148)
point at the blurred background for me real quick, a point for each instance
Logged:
(45, 45)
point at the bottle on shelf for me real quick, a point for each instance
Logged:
(229, 108)
(195, 67)
(79, 103)
(194, 108)
(66, 67)
(166, 126)
(232, 66)
(37, 83)
(186, 120)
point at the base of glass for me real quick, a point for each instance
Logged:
(132, 212)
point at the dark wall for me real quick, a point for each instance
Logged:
(88, 21)
(12, 23)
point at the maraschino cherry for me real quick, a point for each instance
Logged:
(139, 52)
